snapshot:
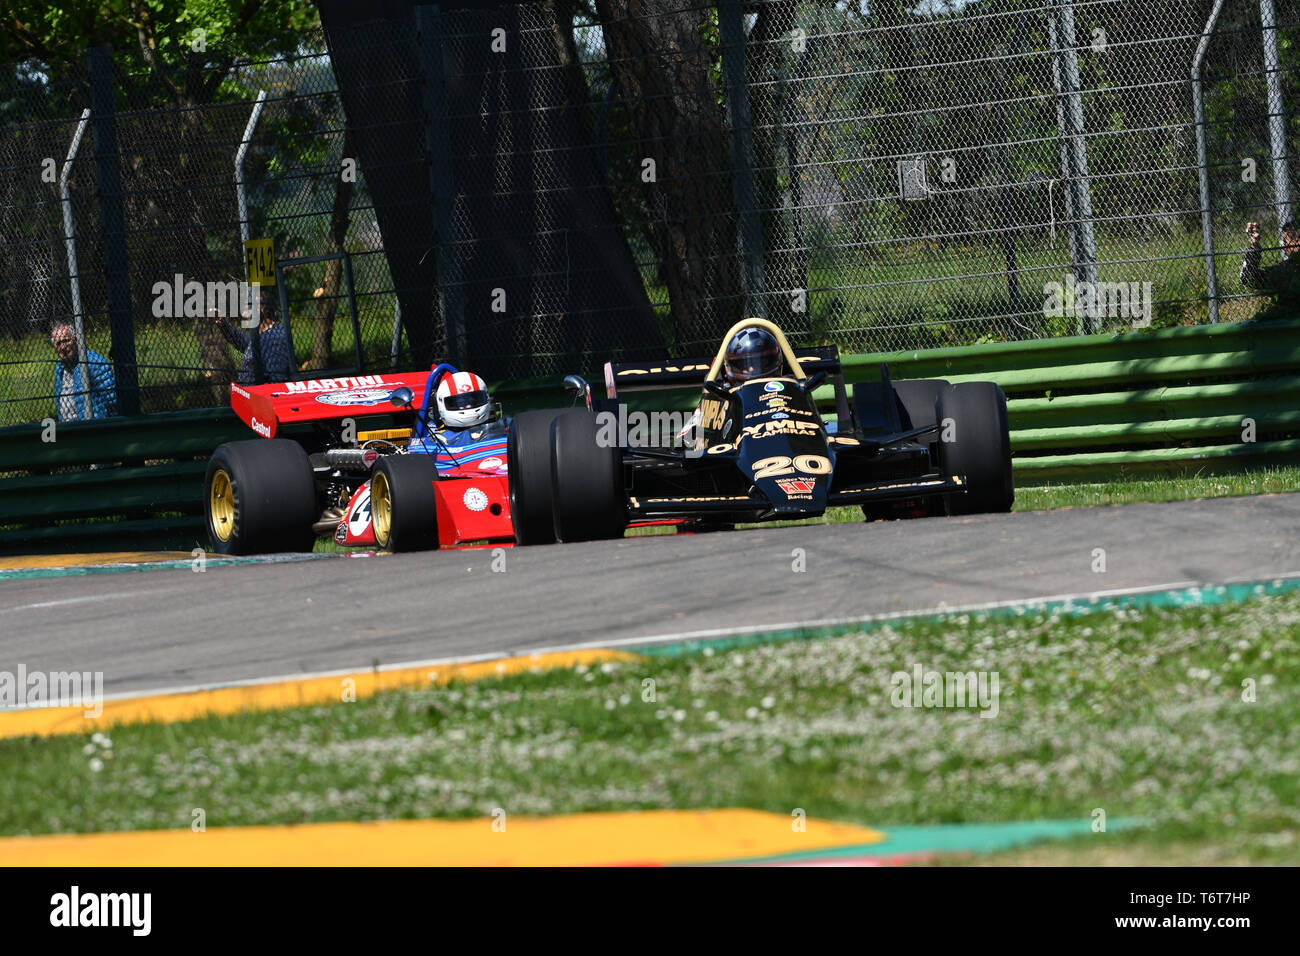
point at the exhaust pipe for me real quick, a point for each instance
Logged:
(353, 460)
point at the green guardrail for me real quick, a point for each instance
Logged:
(114, 485)
(1085, 408)
(1166, 402)
(1142, 345)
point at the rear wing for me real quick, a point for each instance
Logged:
(264, 408)
(690, 373)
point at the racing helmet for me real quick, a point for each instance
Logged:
(463, 401)
(752, 353)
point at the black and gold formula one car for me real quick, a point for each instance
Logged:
(757, 448)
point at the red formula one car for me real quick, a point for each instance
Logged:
(364, 459)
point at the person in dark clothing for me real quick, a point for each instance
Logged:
(1282, 280)
(277, 350)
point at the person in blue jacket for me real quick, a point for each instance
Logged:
(74, 401)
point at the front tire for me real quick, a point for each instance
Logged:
(980, 450)
(528, 457)
(403, 504)
(260, 497)
(588, 501)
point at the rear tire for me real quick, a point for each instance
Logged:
(403, 504)
(528, 457)
(980, 451)
(260, 497)
(589, 503)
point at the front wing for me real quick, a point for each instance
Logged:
(756, 508)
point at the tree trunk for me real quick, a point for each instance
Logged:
(662, 66)
(327, 296)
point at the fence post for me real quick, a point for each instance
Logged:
(749, 235)
(241, 193)
(795, 137)
(1202, 167)
(1006, 217)
(397, 332)
(1276, 116)
(442, 180)
(1074, 150)
(112, 220)
(70, 241)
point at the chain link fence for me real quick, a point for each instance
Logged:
(949, 173)
(183, 218)
(177, 132)
(534, 189)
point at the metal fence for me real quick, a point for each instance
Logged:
(546, 185)
(158, 153)
(937, 177)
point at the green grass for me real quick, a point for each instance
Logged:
(1129, 491)
(1264, 481)
(1140, 714)
(910, 304)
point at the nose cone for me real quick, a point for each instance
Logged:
(795, 496)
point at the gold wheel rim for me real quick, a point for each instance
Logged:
(221, 505)
(381, 508)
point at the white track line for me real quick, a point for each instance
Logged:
(677, 636)
(76, 600)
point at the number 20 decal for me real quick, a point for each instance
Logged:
(781, 465)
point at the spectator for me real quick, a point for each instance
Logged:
(1281, 280)
(70, 394)
(277, 351)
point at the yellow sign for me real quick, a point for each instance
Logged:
(259, 261)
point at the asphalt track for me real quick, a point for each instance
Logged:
(173, 627)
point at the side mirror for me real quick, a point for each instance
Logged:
(814, 380)
(578, 385)
(401, 397)
(714, 387)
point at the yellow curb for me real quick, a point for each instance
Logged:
(29, 561)
(170, 708)
(590, 839)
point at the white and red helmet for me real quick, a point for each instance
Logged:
(463, 400)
